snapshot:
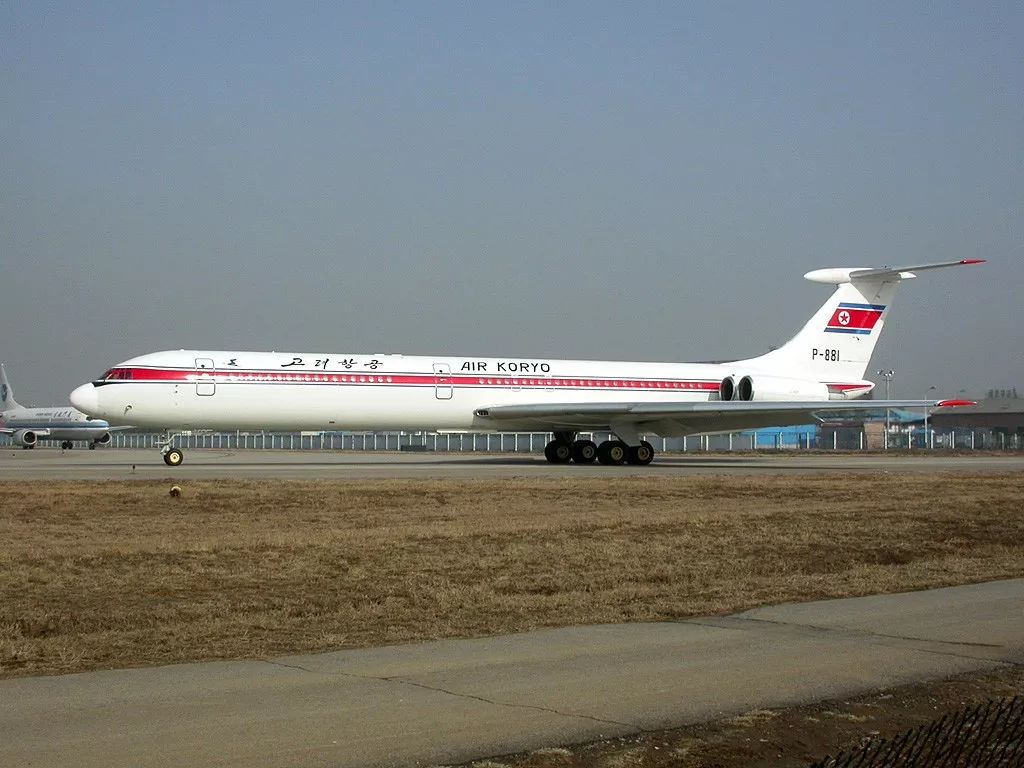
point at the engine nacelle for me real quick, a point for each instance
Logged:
(772, 389)
(727, 389)
(102, 439)
(25, 438)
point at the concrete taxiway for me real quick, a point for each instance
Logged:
(123, 464)
(457, 700)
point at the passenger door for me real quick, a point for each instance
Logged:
(442, 381)
(206, 384)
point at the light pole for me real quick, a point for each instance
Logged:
(926, 409)
(887, 375)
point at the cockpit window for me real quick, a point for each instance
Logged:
(117, 373)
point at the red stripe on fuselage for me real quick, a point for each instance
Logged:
(191, 376)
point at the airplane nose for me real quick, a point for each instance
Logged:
(85, 399)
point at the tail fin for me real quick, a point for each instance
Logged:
(836, 344)
(7, 400)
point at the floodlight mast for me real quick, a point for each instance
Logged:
(887, 375)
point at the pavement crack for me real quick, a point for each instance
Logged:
(288, 666)
(840, 630)
(1005, 662)
(485, 700)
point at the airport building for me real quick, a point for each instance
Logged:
(1002, 412)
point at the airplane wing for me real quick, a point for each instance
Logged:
(688, 418)
(43, 432)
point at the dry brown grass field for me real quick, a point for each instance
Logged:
(115, 574)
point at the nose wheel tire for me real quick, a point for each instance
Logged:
(612, 452)
(66, 445)
(558, 452)
(640, 455)
(584, 451)
(173, 457)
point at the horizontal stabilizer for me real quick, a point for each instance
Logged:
(840, 275)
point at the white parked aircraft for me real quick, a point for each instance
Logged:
(28, 426)
(816, 374)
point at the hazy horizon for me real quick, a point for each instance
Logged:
(591, 181)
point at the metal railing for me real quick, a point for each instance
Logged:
(918, 439)
(534, 442)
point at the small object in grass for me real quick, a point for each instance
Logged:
(175, 491)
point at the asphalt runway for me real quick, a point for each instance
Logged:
(459, 700)
(122, 464)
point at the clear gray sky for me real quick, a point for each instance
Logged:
(638, 181)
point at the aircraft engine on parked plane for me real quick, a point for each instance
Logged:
(26, 438)
(727, 389)
(102, 439)
(772, 389)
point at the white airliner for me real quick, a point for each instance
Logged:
(816, 374)
(28, 426)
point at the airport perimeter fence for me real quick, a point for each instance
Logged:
(781, 440)
(990, 735)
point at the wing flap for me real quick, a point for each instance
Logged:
(677, 418)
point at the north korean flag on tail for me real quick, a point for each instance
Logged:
(854, 318)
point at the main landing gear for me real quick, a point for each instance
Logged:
(564, 448)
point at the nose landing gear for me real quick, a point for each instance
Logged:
(173, 457)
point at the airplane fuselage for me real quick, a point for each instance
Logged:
(58, 423)
(797, 383)
(325, 391)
